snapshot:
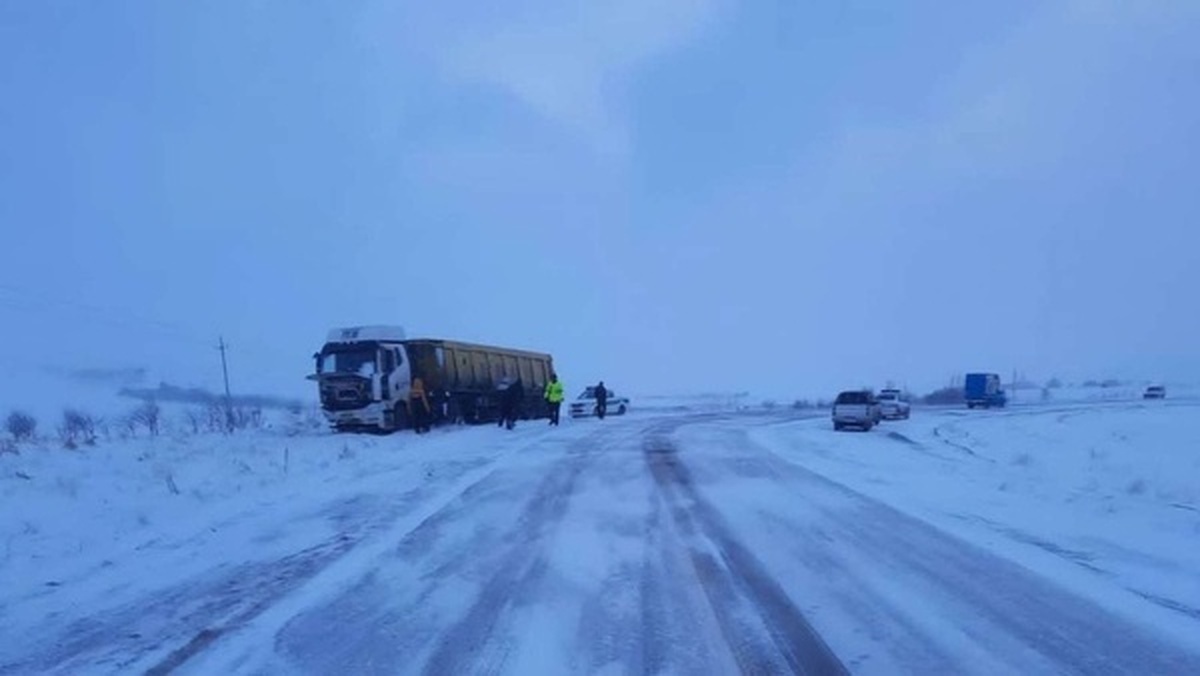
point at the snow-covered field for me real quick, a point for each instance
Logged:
(679, 539)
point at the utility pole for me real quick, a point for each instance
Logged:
(228, 397)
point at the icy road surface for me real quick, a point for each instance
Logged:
(685, 545)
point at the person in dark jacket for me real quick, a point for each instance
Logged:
(601, 400)
(419, 411)
(513, 397)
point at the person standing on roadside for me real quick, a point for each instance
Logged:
(601, 400)
(419, 411)
(554, 398)
(514, 395)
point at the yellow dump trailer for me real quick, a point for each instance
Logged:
(464, 377)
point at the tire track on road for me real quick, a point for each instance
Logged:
(477, 642)
(734, 572)
(473, 643)
(360, 567)
(448, 594)
(327, 571)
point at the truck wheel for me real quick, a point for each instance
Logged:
(837, 427)
(621, 410)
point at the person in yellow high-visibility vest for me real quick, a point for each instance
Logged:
(554, 397)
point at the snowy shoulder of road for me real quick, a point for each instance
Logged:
(1103, 498)
(189, 517)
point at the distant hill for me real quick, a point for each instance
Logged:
(167, 393)
(101, 376)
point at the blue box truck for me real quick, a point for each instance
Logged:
(984, 390)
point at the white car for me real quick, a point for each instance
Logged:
(892, 406)
(585, 405)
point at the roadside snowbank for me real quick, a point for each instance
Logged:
(83, 528)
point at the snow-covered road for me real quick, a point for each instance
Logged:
(660, 544)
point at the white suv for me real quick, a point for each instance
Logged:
(892, 406)
(855, 408)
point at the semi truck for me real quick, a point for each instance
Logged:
(983, 390)
(364, 375)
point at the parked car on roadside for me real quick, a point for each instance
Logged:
(892, 405)
(856, 408)
(1155, 392)
(585, 405)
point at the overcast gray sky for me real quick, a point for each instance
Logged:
(675, 195)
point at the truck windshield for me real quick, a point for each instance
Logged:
(358, 361)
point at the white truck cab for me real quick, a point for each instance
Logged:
(364, 377)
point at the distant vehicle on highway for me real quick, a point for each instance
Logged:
(855, 408)
(892, 405)
(1155, 392)
(983, 390)
(585, 405)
